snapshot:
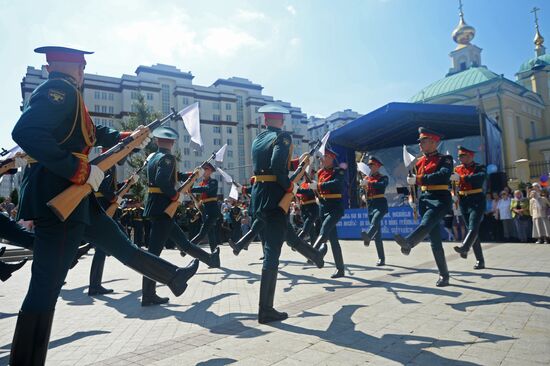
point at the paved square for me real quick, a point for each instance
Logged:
(392, 315)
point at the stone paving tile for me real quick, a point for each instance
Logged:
(381, 316)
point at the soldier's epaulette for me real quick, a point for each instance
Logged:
(283, 137)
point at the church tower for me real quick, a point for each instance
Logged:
(466, 54)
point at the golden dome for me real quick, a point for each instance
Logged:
(463, 33)
(539, 39)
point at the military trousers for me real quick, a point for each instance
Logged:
(472, 208)
(311, 214)
(15, 233)
(273, 234)
(432, 209)
(330, 215)
(55, 247)
(209, 228)
(377, 211)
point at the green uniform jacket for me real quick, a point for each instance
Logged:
(162, 174)
(208, 189)
(270, 156)
(50, 129)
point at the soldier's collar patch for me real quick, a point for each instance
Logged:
(56, 96)
(286, 141)
(167, 162)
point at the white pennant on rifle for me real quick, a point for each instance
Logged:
(234, 192)
(191, 120)
(324, 141)
(220, 154)
(363, 168)
(226, 177)
(408, 158)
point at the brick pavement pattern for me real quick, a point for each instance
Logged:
(392, 315)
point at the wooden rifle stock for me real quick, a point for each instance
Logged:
(6, 166)
(67, 201)
(173, 206)
(110, 211)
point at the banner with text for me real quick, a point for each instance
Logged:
(399, 220)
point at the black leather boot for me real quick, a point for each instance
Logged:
(314, 255)
(6, 269)
(479, 265)
(267, 313)
(367, 236)
(96, 276)
(411, 240)
(469, 240)
(211, 260)
(339, 261)
(149, 296)
(159, 270)
(31, 338)
(243, 242)
(381, 262)
(441, 263)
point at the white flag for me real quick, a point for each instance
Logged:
(220, 154)
(191, 120)
(226, 177)
(234, 192)
(363, 168)
(324, 141)
(408, 158)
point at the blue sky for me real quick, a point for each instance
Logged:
(320, 55)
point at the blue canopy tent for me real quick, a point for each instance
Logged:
(396, 124)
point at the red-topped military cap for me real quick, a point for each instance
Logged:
(63, 54)
(374, 161)
(426, 133)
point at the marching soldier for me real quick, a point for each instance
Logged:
(330, 186)
(235, 214)
(208, 190)
(470, 177)
(375, 186)
(433, 171)
(310, 210)
(57, 131)
(162, 176)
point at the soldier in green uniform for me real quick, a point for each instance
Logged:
(162, 175)
(330, 184)
(433, 172)
(271, 153)
(377, 204)
(310, 210)
(470, 177)
(208, 190)
(56, 130)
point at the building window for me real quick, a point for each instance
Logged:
(134, 95)
(165, 98)
(229, 142)
(228, 117)
(533, 130)
(186, 151)
(227, 106)
(228, 130)
(103, 109)
(111, 96)
(185, 101)
(96, 94)
(149, 96)
(518, 127)
(186, 139)
(111, 109)
(216, 117)
(217, 129)
(216, 105)
(104, 95)
(229, 153)
(198, 153)
(217, 142)
(97, 108)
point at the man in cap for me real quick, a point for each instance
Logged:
(162, 176)
(330, 184)
(375, 187)
(433, 172)
(56, 130)
(470, 177)
(208, 190)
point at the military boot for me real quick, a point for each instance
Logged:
(339, 261)
(367, 236)
(31, 338)
(6, 269)
(212, 260)
(149, 296)
(441, 263)
(243, 242)
(469, 240)
(267, 313)
(159, 270)
(314, 255)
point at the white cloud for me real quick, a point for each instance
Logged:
(291, 9)
(249, 15)
(226, 41)
(295, 42)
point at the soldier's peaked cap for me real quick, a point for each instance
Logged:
(166, 133)
(426, 133)
(463, 150)
(63, 54)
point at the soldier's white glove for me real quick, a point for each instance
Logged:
(95, 178)
(365, 182)
(455, 177)
(20, 162)
(295, 188)
(181, 197)
(119, 200)
(411, 203)
(455, 198)
(313, 185)
(145, 141)
(411, 180)
(200, 171)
